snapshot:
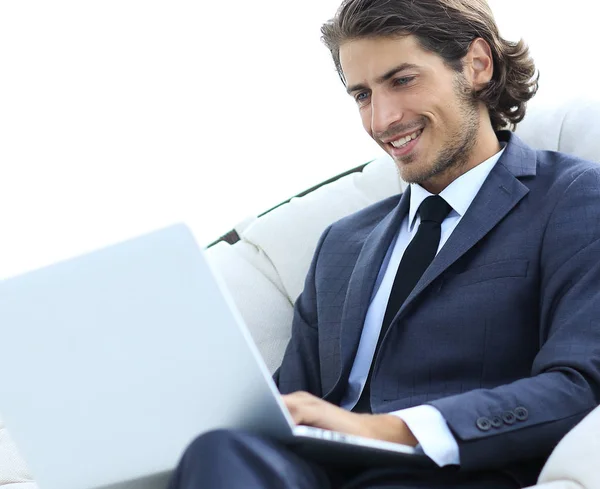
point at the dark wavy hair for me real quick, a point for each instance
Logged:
(447, 28)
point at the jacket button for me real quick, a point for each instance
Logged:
(521, 413)
(484, 424)
(509, 417)
(496, 421)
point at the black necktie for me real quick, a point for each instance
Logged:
(418, 255)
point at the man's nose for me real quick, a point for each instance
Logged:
(385, 113)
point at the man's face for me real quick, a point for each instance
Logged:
(416, 108)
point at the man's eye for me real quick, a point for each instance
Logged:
(361, 97)
(403, 80)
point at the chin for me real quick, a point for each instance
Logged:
(410, 170)
(409, 175)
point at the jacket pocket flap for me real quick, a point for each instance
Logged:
(500, 269)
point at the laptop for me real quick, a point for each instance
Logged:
(114, 361)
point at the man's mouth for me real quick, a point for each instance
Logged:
(405, 141)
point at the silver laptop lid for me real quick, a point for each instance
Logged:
(114, 361)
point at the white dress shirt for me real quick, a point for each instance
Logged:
(426, 423)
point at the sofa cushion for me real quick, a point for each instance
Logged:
(250, 279)
(289, 234)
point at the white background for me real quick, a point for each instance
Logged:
(121, 116)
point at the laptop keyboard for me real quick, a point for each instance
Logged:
(323, 434)
(335, 436)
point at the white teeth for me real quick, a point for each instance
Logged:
(406, 139)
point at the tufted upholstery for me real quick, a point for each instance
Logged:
(265, 271)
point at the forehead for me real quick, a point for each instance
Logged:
(364, 60)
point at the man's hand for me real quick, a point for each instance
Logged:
(309, 410)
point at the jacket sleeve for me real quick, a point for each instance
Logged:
(527, 418)
(300, 370)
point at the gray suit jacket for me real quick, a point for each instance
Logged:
(502, 332)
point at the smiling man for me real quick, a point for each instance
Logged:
(419, 111)
(461, 317)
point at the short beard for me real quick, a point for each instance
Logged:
(461, 143)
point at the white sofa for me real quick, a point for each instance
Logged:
(265, 272)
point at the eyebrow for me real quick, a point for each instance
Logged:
(383, 78)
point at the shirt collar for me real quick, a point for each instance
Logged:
(460, 193)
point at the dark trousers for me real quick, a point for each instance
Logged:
(233, 459)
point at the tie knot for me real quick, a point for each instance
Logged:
(435, 209)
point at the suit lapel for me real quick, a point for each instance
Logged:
(360, 288)
(498, 196)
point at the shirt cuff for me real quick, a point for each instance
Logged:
(431, 431)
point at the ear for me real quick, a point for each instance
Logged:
(479, 64)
